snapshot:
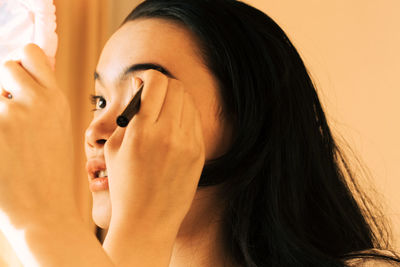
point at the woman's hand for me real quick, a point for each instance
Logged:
(154, 164)
(36, 170)
(36, 159)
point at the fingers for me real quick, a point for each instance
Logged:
(153, 95)
(198, 131)
(171, 111)
(191, 119)
(136, 82)
(114, 142)
(162, 98)
(165, 102)
(15, 80)
(32, 71)
(188, 112)
(35, 61)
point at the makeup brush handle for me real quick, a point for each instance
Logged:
(131, 110)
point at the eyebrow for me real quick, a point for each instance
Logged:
(136, 68)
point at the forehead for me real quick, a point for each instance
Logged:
(148, 40)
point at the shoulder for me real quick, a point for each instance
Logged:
(374, 262)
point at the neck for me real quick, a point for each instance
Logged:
(200, 240)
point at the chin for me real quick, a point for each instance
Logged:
(101, 210)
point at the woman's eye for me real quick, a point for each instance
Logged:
(98, 104)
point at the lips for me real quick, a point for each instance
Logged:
(93, 167)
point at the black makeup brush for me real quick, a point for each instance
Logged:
(131, 110)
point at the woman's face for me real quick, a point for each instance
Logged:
(163, 43)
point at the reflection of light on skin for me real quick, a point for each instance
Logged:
(3, 108)
(17, 240)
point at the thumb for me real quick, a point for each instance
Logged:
(136, 82)
(114, 142)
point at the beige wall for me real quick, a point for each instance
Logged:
(352, 50)
(119, 10)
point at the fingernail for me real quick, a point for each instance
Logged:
(135, 84)
(138, 82)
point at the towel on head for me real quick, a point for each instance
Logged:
(27, 21)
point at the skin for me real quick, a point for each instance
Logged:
(198, 241)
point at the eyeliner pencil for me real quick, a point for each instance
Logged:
(130, 110)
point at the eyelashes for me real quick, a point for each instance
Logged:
(102, 101)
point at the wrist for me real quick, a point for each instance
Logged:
(146, 218)
(140, 242)
(151, 228)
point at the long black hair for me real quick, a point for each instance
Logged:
(286, 183)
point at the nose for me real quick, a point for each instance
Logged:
(99, 131)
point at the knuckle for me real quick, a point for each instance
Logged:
(170, 141)
(176, 84)
(29, 49)
(167, 141)
(9, 64)
(154, 75)
(196, 152)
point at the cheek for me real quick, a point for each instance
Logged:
(215, 132)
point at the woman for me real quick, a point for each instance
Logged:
(229, 162)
